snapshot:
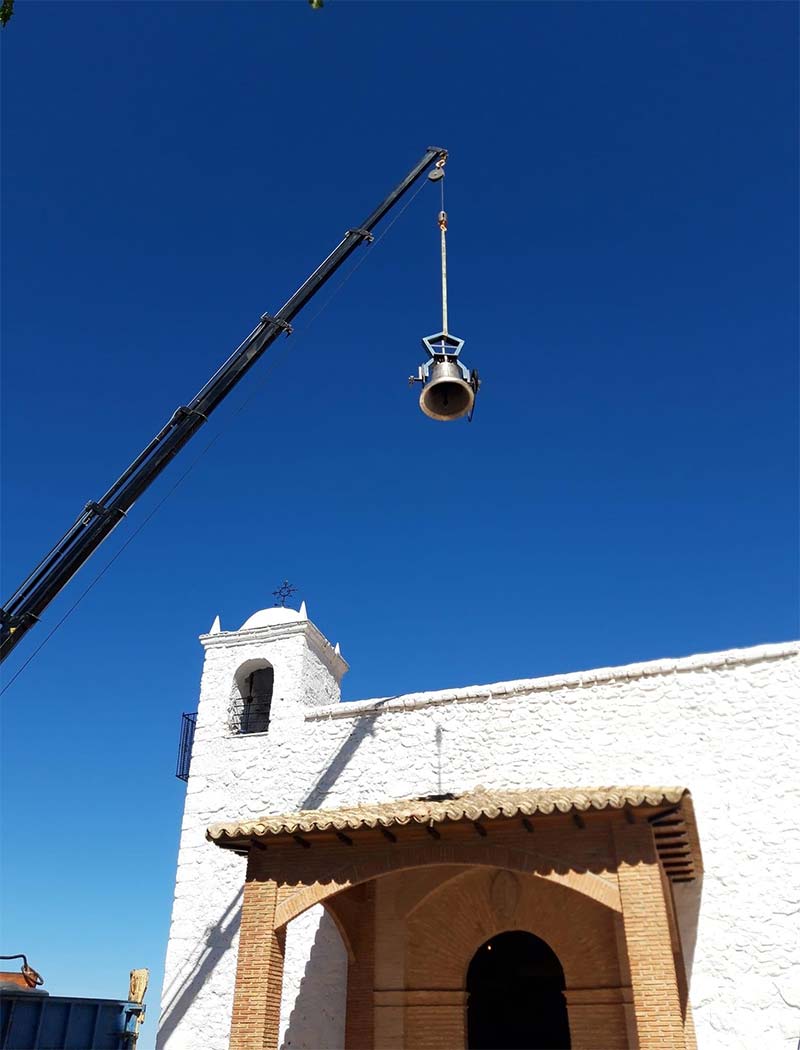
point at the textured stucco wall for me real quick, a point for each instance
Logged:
(724, 725)
(314, 984)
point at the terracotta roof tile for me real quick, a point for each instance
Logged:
(480, 804)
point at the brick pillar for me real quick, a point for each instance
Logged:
(688, 1029)
(360, 1017)
(680, 967)
(259, 967)
(597, 1018)
(656, 998)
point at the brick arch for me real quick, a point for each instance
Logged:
(525, 861)
(453, 921)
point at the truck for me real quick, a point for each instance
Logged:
(32, 1019)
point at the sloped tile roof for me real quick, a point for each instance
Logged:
(480, 804)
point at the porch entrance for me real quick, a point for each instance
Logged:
(516, 1000)
(415, 888)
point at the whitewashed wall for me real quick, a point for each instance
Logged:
(724, 725)
(314, 984)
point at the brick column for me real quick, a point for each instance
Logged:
(259, 968)
(656, 998)
(680, 967)
(360, 1017)
(597, 1018)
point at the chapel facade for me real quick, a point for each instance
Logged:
(445, 870)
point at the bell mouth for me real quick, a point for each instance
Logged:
(447, 399)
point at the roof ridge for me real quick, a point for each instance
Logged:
(548, 683)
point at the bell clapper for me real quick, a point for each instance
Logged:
(448, 387)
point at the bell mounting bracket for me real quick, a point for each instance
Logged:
(442, 347)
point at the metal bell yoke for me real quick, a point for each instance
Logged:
(448, 387)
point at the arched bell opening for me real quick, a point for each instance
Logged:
(515, 988)
(251, 702)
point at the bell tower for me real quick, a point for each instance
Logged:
(248, 757)
(262, 677)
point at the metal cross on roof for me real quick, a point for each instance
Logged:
(285, 591)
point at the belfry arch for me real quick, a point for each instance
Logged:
(251, 697)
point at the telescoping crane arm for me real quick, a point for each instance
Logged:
(98, 519)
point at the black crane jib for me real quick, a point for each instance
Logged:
(98, 519)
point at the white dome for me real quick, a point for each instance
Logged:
(270, 617)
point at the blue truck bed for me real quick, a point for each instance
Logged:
(33, 1021)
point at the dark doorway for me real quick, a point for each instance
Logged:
(515, 988)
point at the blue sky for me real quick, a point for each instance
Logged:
(623, 266)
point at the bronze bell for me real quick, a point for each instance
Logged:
(446, 394)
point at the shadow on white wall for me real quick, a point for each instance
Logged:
(314, 998)
(204, 958)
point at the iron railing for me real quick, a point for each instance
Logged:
(250, 714)
(188, 723)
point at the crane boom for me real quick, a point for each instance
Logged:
(99, 518)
